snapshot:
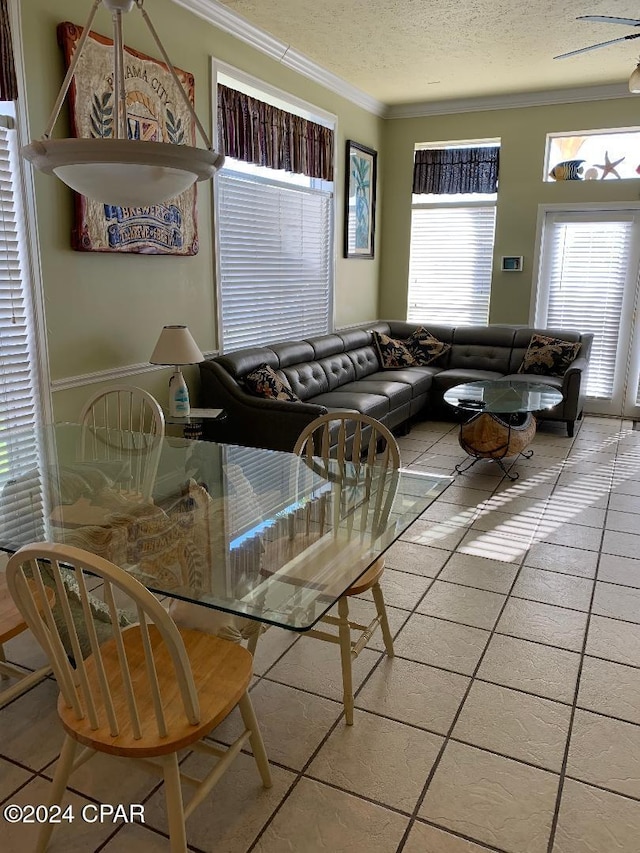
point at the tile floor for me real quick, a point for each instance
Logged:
(509, 719)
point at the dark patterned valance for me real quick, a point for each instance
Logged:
(456, 170)
(8, 86)
(251, 130)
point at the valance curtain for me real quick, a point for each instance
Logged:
(443, 171)
(8, 86)
(257, 132)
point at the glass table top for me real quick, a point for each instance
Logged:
(252, 532)
(503, 396)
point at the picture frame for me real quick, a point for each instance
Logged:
(155, 112)
(360, 200)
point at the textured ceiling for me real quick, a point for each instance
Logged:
(406, 51)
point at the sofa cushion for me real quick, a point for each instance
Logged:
(393, 352)
(426, 348)
(397, 392)
(482, 348)
(419, 379)
(293, 352)
(265, 382)
(365, 361)
(446, 379)
(339, 369)
(367, 404)
(547, 356)
(243, 361)
(325, 345)
(307, 379)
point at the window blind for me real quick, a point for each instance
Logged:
(450, 265)
(18, 409)
(275, 260)
(584, 272)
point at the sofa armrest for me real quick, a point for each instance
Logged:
(249, 420)
(573, 385)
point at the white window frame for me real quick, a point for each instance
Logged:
(233, 77)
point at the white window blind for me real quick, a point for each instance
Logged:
(19, 412)
(275, 260)
(582, 286)
(450, 264)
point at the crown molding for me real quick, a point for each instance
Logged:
(507, 102)
(230, 22)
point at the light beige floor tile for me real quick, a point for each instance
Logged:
(476, 607)
(427, 839)
(134, 837)
(622, 486)
(558, 558)
(440, 643)
(455, 514)
(486, 477)
(605, 752)
(561, 511)
(505, 502)
(402, 589)
(413, 693)
(493, 546)
(610, 688)
(538, 486)
(515, 724)
(314, 665)
(273, 643)
(625, 503)
(25, 651)
(316, 818)
(521, 525)
(378, 758)
(573, 535)
(77, 836)
(31, 730)
(417, 559)
(625, 522)
(594, 821)
(614, 640)
(464, 495)
(110, 780)
(479, 572)
(433, 458)
(492, 799)
(622, 570)
(435, 535)
(622, 544)
(541, 670)
(617, 602)
(292, 722)
(11, 778)
(543, 623)
(553, 588)
(236, 810)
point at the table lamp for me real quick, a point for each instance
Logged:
(176, 346)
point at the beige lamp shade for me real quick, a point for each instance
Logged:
(176, 346)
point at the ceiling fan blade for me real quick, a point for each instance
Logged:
(595, 46)
(606, 19)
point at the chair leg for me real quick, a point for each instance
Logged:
(60, 779)
(3, 675)
(175, 809)
(344, 633)
(257, 744)
(384, 622)
(252, 642)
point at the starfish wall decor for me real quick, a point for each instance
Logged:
(608, 168)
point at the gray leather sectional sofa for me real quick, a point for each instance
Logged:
(341, 371)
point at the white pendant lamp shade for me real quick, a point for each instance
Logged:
(116, 170)
(176, 346)
(634, 81)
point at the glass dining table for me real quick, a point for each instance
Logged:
(255, 533)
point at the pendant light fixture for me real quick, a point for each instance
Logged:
(117, 170)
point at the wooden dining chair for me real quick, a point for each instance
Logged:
(350, 438)
(151, 690)
(11, 625)
(124, 424)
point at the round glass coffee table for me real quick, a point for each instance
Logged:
(502, 423)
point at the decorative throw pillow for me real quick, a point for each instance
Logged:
(425, 347)
(392, 353)
(547, 356)
(265, 382)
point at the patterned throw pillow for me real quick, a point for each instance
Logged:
(547, 356)
(425, 347)
(265, 382)
(392, 353)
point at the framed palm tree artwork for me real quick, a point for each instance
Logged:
(360, 201)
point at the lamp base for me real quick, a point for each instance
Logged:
(178, 396)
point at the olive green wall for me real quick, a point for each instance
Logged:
(105, 312)
(522, 133)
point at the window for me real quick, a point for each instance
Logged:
(275, 233)
(451, 256)
(19, 407)
(595, 155)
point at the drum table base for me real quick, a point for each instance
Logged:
(489, 436)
